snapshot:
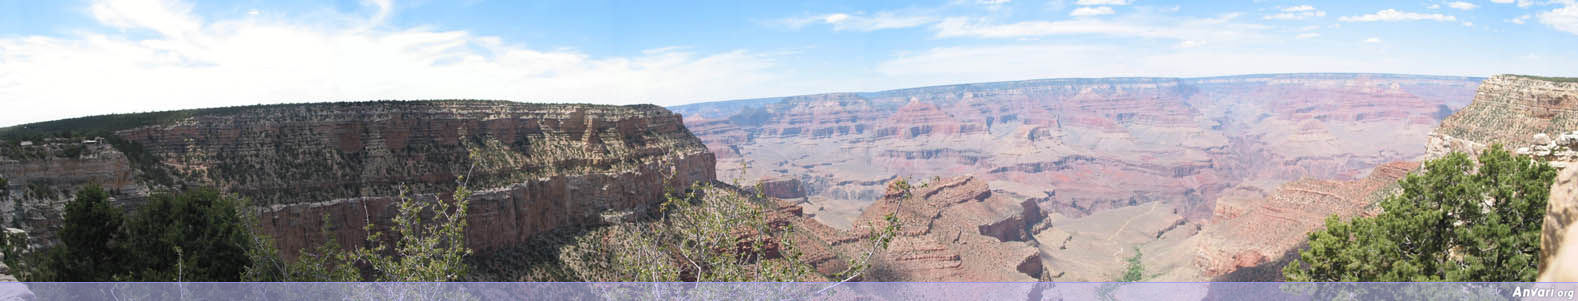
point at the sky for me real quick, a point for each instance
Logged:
(62, 59)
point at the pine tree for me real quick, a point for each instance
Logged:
(88, 248)
(1456, 221)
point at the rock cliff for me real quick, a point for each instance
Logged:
(952, 229)
(1084, 145)
(1533, 116)
(1511, 110)
(534, 167)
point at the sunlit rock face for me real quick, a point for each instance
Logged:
(1084, 145)
(535, 167)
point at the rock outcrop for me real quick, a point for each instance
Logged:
(1246, 233)
(1085, 145)
(955, 230)
(1510, 110)
(534, 167)
(1531, 116)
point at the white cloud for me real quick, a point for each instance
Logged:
(1215, 30)
(194, 63)
(1392, 15)
(1372, 40)
(1308, 35)
(1190, 44)
(1298, 8)
(1467, 23)
(1296, 13)
(1502, 1)
(1103, 2)
(1091, 11)
(1564, 18)
(1460, 5)
(863, 23)
(1520, 19)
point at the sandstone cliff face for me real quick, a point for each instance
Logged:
(1084, 145)
(1253, 232)
(956, 230)
(534, 167)
(1510, 110)
(953, 229)
(39, 187)
(1532, 116)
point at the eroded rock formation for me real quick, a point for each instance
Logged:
(1531, 116)
(534, 167)
(1084, 145)
(1250, 232)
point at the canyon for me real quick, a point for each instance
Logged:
(1050, 180)
(533, 167)
(1180, 168)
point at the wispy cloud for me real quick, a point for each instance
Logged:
(1296, 13)
(190, 62)
(1372, 40)
(1564, 18)
(1103, 2)
(1308, 35)
(1091, 11)
(1215, 29)
(859, 22)
(1520, 19)
(1392, 15)
(1460, 5)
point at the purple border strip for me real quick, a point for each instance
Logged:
(788, 291)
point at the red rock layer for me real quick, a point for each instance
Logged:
(1246, 233)
(1091, 144)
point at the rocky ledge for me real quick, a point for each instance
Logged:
(534, 167)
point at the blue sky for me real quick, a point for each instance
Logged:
(62, 59)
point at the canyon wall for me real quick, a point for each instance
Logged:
(1511, 110)
(1084, 145)
(534, 167)
(1531, 116)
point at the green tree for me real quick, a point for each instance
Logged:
(89, 247)
(327, 263)
(197, 235)
(1456, 221)
(423, 250)
(1135, 270)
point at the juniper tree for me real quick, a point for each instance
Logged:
(1455, 221)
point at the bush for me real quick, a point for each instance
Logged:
(1457, 221)
(197, 235)
(90, 242)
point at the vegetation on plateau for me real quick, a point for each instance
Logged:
(1458, 220)
(203, 235)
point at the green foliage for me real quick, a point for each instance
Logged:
(708, 237)
(423, 251)
(1457, 221)
(13, 246)
(89, 239)
(1135, 270)
(1552, 79)
(327, 263)
(197, 235)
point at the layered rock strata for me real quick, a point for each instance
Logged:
(1510, 110)
(534, 167)
(1084, 145)
(1253, 232)
(1531, 116)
